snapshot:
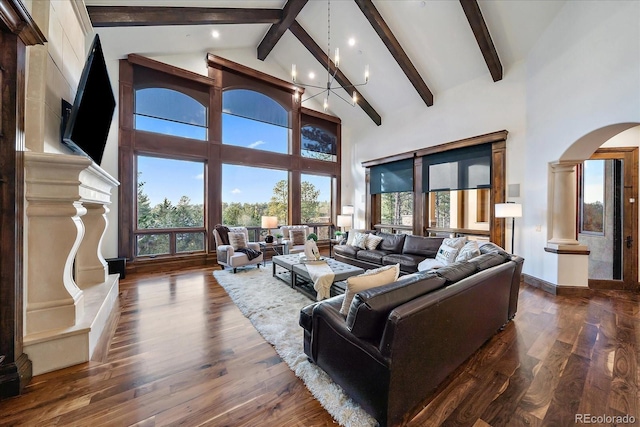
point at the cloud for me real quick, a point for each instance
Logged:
(236, 191)
(256, 144)
(199, 177)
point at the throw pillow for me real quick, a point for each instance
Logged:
(429, 264)
(360, 240)
(368, 279)
(297, 237)
(468, 251)
(237, 240)
(446, 254)
(372, 241)
(455, 242)
(351, 234)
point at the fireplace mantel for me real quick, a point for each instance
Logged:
(68, 285)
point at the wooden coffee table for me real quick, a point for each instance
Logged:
(294, 273)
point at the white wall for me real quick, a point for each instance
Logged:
(582, 74)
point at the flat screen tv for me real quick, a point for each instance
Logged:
(86, 123)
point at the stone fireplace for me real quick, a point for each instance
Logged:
(69, 293)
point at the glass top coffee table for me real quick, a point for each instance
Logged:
(294, 273)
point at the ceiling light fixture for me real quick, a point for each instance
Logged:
(215, 34)
(329, 88)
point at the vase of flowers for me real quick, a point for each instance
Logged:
(279, 237)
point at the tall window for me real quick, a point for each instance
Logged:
(457, 183)
(175, 188)
(251, 119)
(170, 206)
(170, 112)
(593, 197)
(393, 183)
(248, 193)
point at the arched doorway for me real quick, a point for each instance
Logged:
(606, 205)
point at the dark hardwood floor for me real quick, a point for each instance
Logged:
(181, 353)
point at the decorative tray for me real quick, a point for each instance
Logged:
(305, 260)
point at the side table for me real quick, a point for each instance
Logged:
(333, 242)
(275, 248)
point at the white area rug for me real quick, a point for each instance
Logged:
(274, 309)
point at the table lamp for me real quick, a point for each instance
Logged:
(269, 222)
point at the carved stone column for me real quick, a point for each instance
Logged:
(55, 231)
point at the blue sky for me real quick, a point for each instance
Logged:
(175, 178)
(593, 181)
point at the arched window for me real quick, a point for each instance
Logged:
(254, 120)
(170, 112)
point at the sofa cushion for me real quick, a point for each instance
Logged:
(469, 250)
(484, 261)
(370, 308)
(374, 256)
(492, 248)
(346, 250)
(425, 246)
(368, 279)
(391, 242)
(408, 263)
(457, 271)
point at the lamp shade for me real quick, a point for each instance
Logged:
(344, 220)
(508, 210)
(348, 210)
(269, 222)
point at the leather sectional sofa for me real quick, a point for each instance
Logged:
(403, 249)
(399, 341)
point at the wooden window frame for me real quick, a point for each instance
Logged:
(222, 74)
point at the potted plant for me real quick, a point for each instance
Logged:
(279, 237)
(313, 236)
(338, 235)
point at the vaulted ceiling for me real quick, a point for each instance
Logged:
(415, 49)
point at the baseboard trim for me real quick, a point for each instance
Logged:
(575, 291)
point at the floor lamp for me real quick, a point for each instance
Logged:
(509, 210)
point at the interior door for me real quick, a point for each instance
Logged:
(608, 217)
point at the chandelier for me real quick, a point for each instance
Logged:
(331, 77)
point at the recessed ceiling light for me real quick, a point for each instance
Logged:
(215, 34)
(312, 75)
(352, 41)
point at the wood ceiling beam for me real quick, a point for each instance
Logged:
(141, 16)
(387, 37)
(317, 52)
(481, 33)
(289, 13)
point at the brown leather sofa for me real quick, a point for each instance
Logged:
(401, 340)
(404, 249)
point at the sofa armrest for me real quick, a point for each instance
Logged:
(328, 319)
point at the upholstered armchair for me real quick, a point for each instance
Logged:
(295, 242)
(228, 256)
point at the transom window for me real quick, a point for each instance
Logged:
(170, 112)
(252, 119)
(318, 143)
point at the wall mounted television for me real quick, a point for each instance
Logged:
(86, 123)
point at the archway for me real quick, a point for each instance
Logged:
(563, 215)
